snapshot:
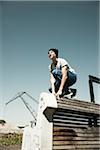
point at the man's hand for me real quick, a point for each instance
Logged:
(58, 93)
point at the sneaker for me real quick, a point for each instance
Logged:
(70, 93)
(74, 92)
(67, 93)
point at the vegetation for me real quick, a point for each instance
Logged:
(10, 139)
(2, 122)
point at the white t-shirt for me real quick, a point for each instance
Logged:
(62, 62)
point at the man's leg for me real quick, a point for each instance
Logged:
(73, 92)
(57, 85)
(71, 80)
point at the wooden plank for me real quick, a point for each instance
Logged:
(70, 121)
(70, 125)
(72, 138)
(58, 143)
(77, 130)
(79, 105)
(64, 112)
(64, 147)
(67, 147)
(77, 134)
(74, 118)
(85, 148)
(80, 149)
(88, 146)
(80, 109)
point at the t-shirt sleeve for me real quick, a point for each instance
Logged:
(63, 63)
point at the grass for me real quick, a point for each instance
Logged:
(10, 139)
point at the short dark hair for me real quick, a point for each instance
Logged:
(54, 50)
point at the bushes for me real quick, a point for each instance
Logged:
(11, 139)
(2, 122)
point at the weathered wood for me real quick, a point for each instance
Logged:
(83, 115)
(72, 119)
(87, 130)
(72, 139)
(85, 142)
(70, 125)
(71, 147)
(58, 116)
(78, 106)
(78, 134)
(76, 125)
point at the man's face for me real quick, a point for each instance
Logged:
(51, 54)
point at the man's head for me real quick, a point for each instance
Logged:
(53, 50)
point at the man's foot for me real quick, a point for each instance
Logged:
(66, 93)
(74, 92)
(70, 93)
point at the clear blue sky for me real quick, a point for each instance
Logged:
(27, 31)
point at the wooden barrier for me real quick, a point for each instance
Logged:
(76, 125)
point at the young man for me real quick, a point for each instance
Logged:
(62, 76)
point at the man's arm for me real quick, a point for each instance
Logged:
(64, 78)
(52, 80)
